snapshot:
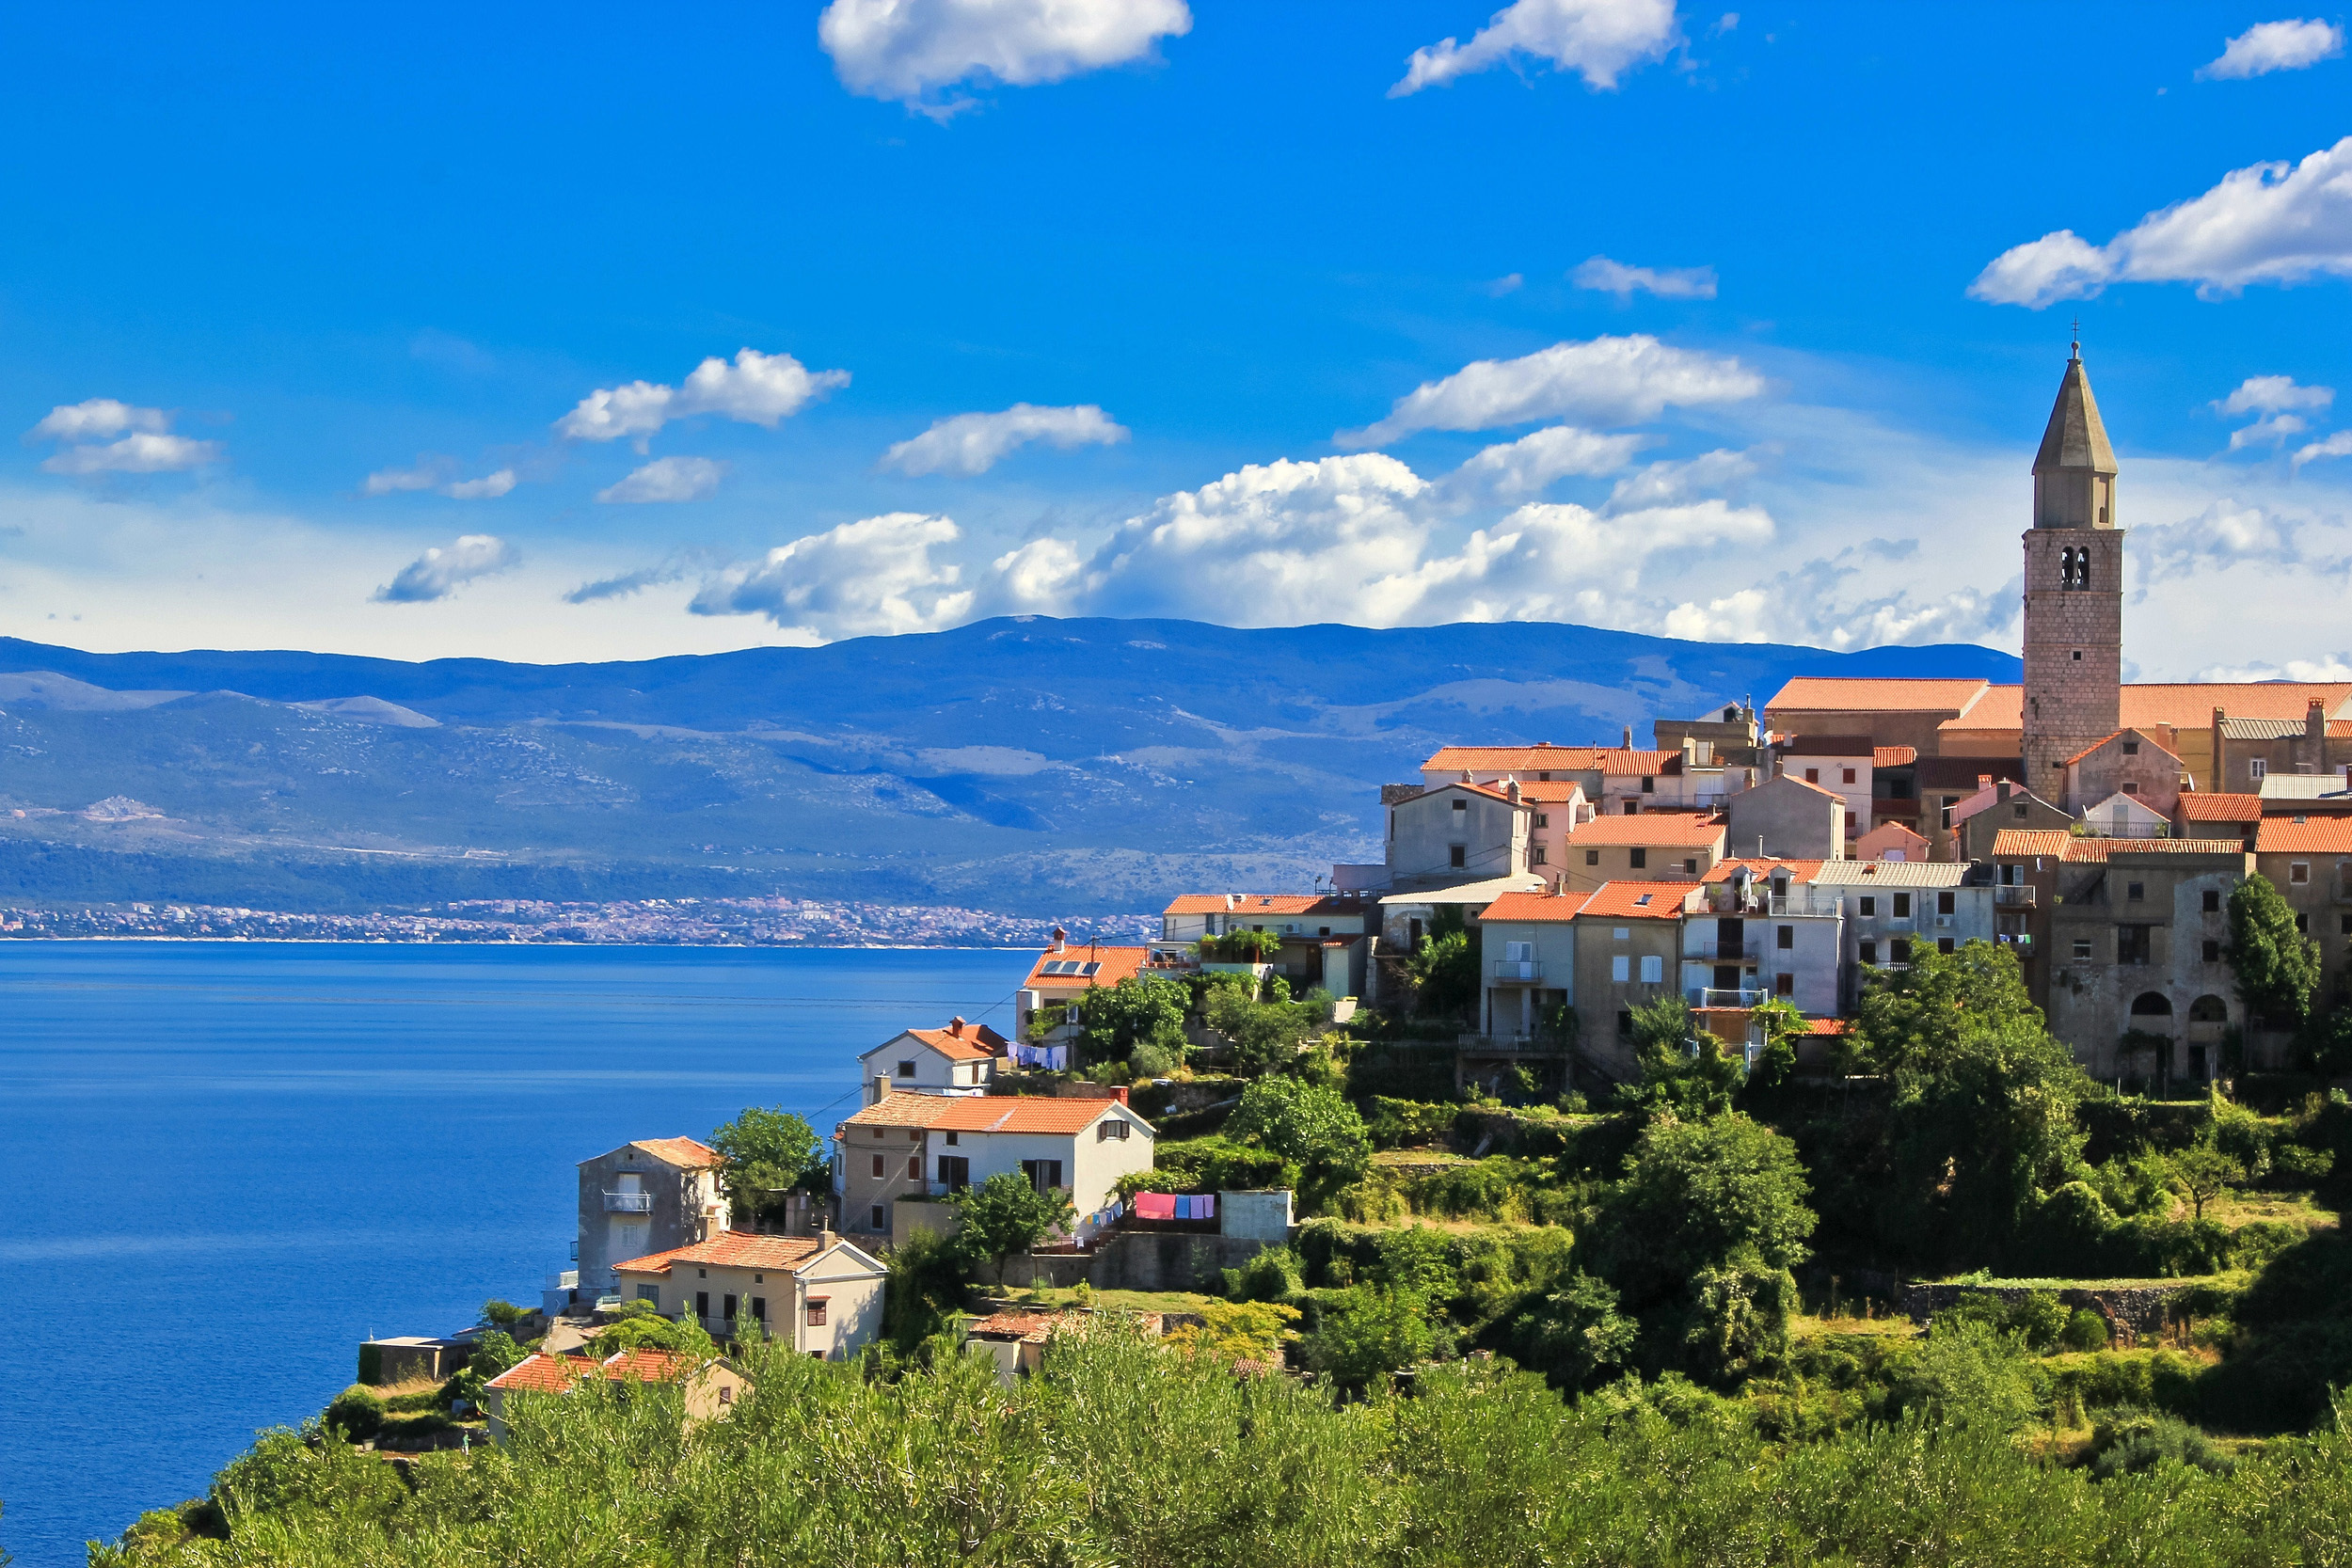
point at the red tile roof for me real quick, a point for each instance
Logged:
(963, 1042)
(1650, 830)
(1548, 791)
(1111, 965)
(995, 1113)
(1535, 905)
(740, 1249)
(2058, 843)
(645, 1365)
(1263, 903)
(1840, 695)
(546, 1374)
(2306, 836)
(686, 1153)
(1541, 757)
(1831, 1026)
(1799, 871)
(1894, 756)
(1027, 1327)
(2019, 842)
(1616, 759)
(1641, 900)
(2220, 807)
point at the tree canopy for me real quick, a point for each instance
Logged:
(2277, 967)
(1141, 1010)
(768, 1151)
(1309, 1124)
(1005, 1215)
(1917, 1014)
(1698, 1193)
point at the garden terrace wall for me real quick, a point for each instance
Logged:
(2130, 1310)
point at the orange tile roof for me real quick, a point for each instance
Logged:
(1841, 694)
(1111, 965)
(963, 1042)
(1028, 1327)
(1650, 830)
(1617, 759)
(2095, 849)
(1799, 871)
(1261, 903)
(1535, 905)
(2220, 807)
(2340, 729)
(995, 1113)
(2051, 842)
(736, 1249)
(687, 1153)
(646, 1365)
(1831, 1026)
(2309, 835)
(2130, 730)
(546, 1374)
(1547, 791)
(1894, 756)
(1641, 900)
(1540, 758)
(2190, 705)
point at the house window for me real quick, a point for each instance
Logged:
(1534, 857)
(1784, 985)
(1848, 778)
(2213, 951)
(1689, 868)
(2132, 944)
(2303, 925)
(1543, 820)
(2299, 871)
(2078, 656)
(1813, 775)
(1638, 859)
(1455, 856)
(649, 1292)
(1943, 944)
(878, 1166)
(2256, 768)
(2348, 925)
(914, 1168)
(1869, 906)
(1946, 903)
(1902, 906)
(727, 1307)
(1112, 1129)
(702, 1304)
(2130, 789)
(817, 1311)
(759, 1309)
(951, 1139)
(955, 1172)
(1461, 806)
(2135, 892)
(1785, 937)
(1592, 857)
(1849, 824)
(1620, 969)
(1044, 1175)
(2019, 811)
(1632, 807)
(727, 1395)
(2082, 950)
(1870, 952)
(906, 1069)
(1899, 950)
(1649, 785)
(1653, 969)
(2213, 902)
(1624, 1023)
(1621, 933)
(2131, 749)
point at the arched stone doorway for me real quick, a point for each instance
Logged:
(2150, 1035)
(2208, 1021)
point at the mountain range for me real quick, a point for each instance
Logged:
(1019, 764)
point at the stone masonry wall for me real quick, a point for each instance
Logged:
(2071, 704)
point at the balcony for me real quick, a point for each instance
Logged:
(628, 1203)
(1519, 971)
(1716, 996)
(2018, 896)
(567, 1280)
(1724, 952)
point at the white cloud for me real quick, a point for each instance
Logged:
(871, 577)
(2338, 445)
(1598, 39)
(1507, 284)
(1605, 381)
(1036, 579)
(1676, 484)
(1604, 276)
(441, 571)
(2268, 223)
(2273, 428)
(622, 585)
(757, 389)
(97, 417)
(909, 51)
(2227, 533)
(2269, 46)
(438, 474)
(667, 479)
(1526, 465)
(2273, 394)
(2328, 667)
(141, 452)
(972, 443)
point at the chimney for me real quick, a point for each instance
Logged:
(1511, 789)
(954, 1027)
(1118, 1092)
(825, 1238)
(1061, 939)
(2003, 790)
(1629, 738)
(882, 1088)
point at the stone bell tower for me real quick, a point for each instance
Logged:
(2074, 591)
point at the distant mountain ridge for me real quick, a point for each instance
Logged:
(1016, 765)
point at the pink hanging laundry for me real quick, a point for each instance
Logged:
(1155, 1206)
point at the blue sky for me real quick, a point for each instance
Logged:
(1215, 250)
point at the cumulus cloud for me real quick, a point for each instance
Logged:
(2338, 445)
(1605, 381)
(667, 479)
(1507, 284)
(757, 389)
(2225, 534)
(438, 474)
(914, 52)
(96, 419)
(441, 571)
(622, 585)
(1598, 39)
(2273, 394)
(1603, 275)
(1677, 482)
(1037, 579)
(2268, 223)
(1526, 465)
(2269, 46)
(2328, 667)
(972, 443)
(871, 577)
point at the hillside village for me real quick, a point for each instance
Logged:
(1899, 1046)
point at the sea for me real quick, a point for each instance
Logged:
(235, 1161)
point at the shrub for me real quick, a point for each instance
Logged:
(357, 1412)
(1274, 1274)
(1362, 1334)
(1151, 1060)
(1574, 1336)
(1967, 1372)
(2131, 1442)
(2085, 1331)
(505, 1314)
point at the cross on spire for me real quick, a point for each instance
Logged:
(2075, 349)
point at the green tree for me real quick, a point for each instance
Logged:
(1676, 1079)
(1911, 1018)
(766, 1153)
(2277, 966)
(1698, 1194)
(926, 1280)
(1310, 1125)
(1005, 1215)
(2205, 1172)
(1444, 968)
(1142, 1009)
(1782, 1023)
(1364, 1332)
(1575, 1336)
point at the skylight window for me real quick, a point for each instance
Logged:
(1642, 902)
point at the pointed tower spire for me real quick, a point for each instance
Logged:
(2074, 473)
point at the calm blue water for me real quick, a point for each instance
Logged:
(230, 1162)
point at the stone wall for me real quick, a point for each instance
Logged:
(2131, 1310)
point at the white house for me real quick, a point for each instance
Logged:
(959, 1059)
(1527, 960)
(924, 1148)
(819, 1294)
(2122, 816)
(1765, 931)
(1896, 908)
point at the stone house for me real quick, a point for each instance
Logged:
(821, 1294)
(1654, 847)
(1788, 817)
(2309, 859)
(1893, 908)
(2000, 806)
(1559, 810)
(1953, 788)
(960, 1059)
(1527, 960)
(1890, 841)
(2199, 815)
(1841, 763)
(1629, 953)
(1765, 930)
(2128, 763)
(922, 1149)
(2249, 748)
(643, 1196)
(1458, 833)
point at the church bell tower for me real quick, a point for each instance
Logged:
(2074, 591)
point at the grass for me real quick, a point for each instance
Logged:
(1416, 1158)
(2243, 1206)
(1116, 1301)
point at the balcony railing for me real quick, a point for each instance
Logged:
(628, 1203)
(1724, 952)
(567, 1280)
(1518, 969)
(2019, 895)
(1716, 996)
